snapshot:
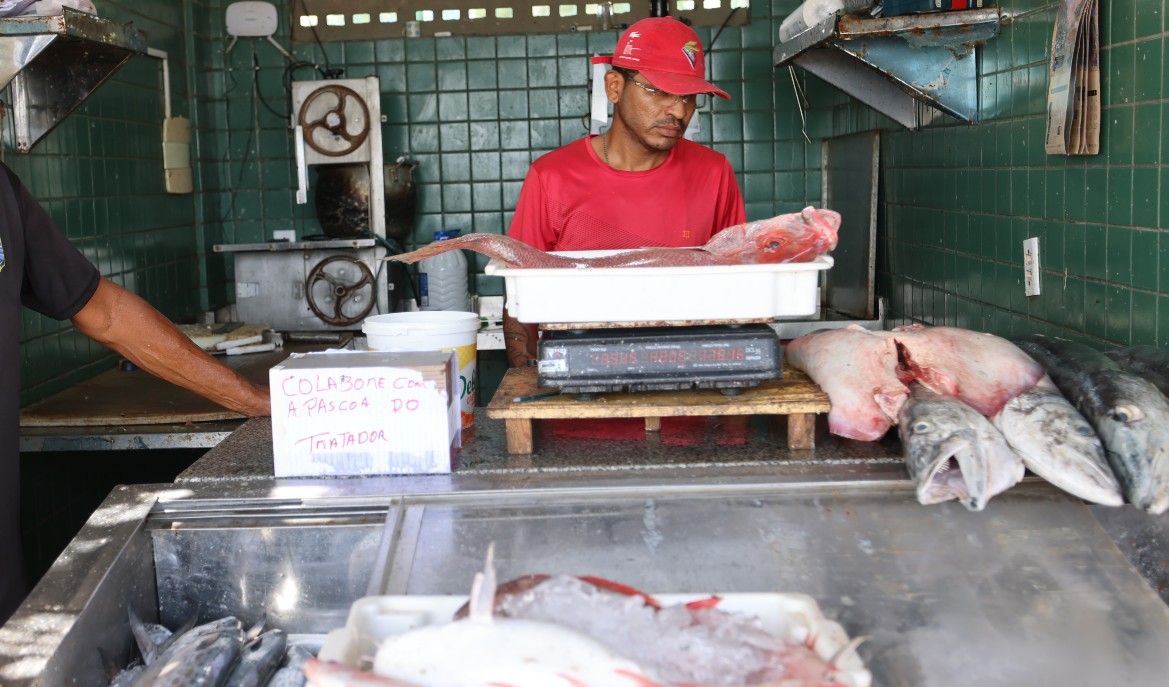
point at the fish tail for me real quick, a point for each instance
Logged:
(509, 251)
(436, 248)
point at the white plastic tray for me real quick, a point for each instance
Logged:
(665, 294)
(790, 617)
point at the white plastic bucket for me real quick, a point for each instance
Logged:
(437, 330)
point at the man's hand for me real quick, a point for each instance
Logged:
(519, 340)
(129, 325)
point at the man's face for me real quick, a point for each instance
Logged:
(654, 120)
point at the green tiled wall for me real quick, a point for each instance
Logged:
(99, 174)
(475, 111)
(958, 200)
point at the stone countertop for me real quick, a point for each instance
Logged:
(586, 445)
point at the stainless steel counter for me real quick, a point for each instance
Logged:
(1032, 590)
(127, 437)
(574, 446)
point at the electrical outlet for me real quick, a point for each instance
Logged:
(1031, 266)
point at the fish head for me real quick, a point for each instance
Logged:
(795, 237)
(1135, 432)
(1072, 439)
(1057, 443)
(953, 452)
(946, 464)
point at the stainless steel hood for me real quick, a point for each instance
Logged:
(897, 64)
(55, 63)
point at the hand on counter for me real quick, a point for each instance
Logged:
(126, 323)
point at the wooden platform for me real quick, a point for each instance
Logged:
(795, 396)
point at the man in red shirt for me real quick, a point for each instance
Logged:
(640, 183)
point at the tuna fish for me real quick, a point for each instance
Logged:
(1058, 444)
(1130, 415)
(153, 639)
(258, 660)
(127, 677)
(1149, 362)
(983, 370)
(858, 370)
(953, 452)
(796, 237)
(292, 671)
(202, 656)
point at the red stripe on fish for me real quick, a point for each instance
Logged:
(704, 603)
(620, 588)
(639, 680)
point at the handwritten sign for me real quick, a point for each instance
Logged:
(370, 413)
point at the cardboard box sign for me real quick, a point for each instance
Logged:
(365, 413)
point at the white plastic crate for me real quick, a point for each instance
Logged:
(660, 294)
(789, 617)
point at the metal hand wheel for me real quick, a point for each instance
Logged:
(342, 285)
(333, 121)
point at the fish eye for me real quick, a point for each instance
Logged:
(920, 427)
(773, 245)
(1128, 414)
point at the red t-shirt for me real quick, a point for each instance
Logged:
(572, 200)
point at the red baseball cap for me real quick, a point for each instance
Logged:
(668, 53)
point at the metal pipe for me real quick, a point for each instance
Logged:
(161, 55)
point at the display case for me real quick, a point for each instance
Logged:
(1032, 590)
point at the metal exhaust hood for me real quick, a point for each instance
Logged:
(894, 64)
(55, 63)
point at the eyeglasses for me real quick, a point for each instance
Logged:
(670, 99)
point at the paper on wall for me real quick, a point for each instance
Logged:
(1073, 93)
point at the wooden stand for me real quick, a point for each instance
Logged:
(795, 396)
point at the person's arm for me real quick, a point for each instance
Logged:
(129, 325)
(519, 340)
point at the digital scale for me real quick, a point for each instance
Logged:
(729, 358)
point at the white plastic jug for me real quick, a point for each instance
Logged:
(443, 278)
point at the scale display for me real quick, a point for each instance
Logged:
(729, 358)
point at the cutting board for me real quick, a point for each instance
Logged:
(206, 336)
(118, 397)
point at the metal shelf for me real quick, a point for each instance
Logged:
(894, 64)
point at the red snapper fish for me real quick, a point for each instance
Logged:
(795, 237)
